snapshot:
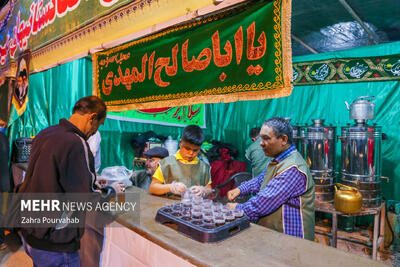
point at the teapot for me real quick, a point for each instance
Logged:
(362, 108)
(347, 199)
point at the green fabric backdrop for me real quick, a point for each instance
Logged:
(52, 94)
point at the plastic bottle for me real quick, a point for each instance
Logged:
(171, 145)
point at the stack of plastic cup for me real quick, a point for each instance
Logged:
(186, 199)
(197, 201)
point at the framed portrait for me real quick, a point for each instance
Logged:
(20, 92)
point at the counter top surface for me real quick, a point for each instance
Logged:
(255, 246)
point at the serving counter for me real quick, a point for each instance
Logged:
(149, 243)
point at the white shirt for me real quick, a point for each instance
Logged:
(94, 144)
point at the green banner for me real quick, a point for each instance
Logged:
(176, 116)
(240, 54)
(369, 69)
(33, 24)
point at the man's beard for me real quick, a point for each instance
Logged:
(150, 172)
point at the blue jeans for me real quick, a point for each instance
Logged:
(43, 258)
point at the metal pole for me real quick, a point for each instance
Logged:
(375, 240)
(334, 230)
(309, 48)
(372, 35)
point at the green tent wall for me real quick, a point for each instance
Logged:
(53, 93)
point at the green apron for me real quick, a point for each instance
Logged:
(275, 220)
(189, 174)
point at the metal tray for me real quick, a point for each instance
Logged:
(199, 232)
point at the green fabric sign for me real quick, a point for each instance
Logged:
(176, 116)
(240, 54)
(380, 68)
(36, 23)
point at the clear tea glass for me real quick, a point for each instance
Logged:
(239, 213)
(219, 218)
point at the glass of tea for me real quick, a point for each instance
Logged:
(239, 213)
(197, 213)
(168, 207)
(186, 214)
(208, 222)
(219, 218)
(177, 209)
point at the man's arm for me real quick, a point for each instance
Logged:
(158, 188)
(252, 186)
(290, 183)
(249, 187)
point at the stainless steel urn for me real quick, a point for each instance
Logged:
(319, 144)
(361, 152)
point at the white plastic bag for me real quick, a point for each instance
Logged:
(117, 174)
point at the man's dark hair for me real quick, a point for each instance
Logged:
(193, 134)
(254, 132)
(91, 104)
(280, 126)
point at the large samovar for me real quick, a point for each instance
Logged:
(318, 147)
(361, 152)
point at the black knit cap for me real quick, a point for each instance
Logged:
(157, 151)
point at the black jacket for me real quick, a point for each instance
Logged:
(4, 171)
(59, 163)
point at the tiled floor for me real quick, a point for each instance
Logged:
(14, 259)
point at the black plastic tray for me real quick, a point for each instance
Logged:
(198, 232)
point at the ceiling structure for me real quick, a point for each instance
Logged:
(333, 25)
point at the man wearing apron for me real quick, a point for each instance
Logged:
(284, 192)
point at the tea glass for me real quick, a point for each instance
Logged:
(238, 213)
(197, 213)
(219, 218)
(186, 214)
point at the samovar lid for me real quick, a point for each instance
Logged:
(318, 122)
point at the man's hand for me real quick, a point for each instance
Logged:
(232, 205)
(119, 187)
(100, 182)
(200, 191)
(177, 188)
(232, 194)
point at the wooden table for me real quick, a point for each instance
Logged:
(255, 246)
(379, 222)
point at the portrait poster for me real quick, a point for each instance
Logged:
(20, 92)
